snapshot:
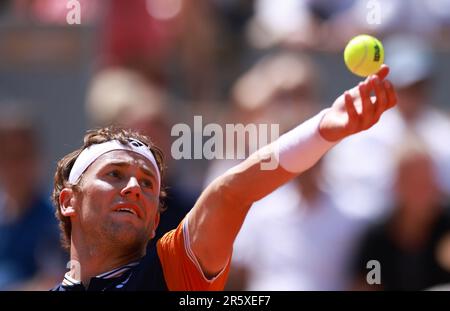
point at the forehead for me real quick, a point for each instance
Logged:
(130, 158)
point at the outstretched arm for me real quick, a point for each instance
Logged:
(219, 213)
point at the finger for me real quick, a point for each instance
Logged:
(364, 93)
(383, 72)
(391, 95)
(381, 97)
(351, 110)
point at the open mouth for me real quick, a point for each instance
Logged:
(126, 210)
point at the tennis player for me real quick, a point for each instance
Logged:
(108, 198)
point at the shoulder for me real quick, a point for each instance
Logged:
(179, 265)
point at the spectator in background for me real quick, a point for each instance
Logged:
(280, 88)
(413, 245)
(30, 255)
(294, 239)
(124, 97)
(304, 24)
(269, 252)
(328, 24)
(366, 191)
(54, 12)
(157, 37)
(427, 19)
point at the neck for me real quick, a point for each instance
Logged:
(89, 260)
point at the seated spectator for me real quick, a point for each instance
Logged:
(30, 255)
(412, 245)
(349, 179)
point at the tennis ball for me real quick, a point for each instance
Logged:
(364, 55)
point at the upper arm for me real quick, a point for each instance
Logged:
(217, 217)
(219, 213)
(180, 267)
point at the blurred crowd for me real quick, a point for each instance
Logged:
(381, 195)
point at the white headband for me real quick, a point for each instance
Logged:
(90, 154)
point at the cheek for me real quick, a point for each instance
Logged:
(97, 197)
(152, 205)
(153, 198)
(99, 186)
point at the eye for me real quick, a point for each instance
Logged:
(115, 173)
(147, 183)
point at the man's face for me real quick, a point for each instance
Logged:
(118, 201)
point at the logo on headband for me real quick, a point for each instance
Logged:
(136, 143)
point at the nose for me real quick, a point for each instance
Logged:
(132, 189)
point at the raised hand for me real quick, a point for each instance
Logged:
(356, 110)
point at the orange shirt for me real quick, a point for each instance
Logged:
(180, 267)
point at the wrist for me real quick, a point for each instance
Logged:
(303, 146)
(324, 131)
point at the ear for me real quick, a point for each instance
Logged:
(155, 225)
(66, 202)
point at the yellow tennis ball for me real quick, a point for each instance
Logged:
(364, 55)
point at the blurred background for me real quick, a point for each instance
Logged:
(150, 64)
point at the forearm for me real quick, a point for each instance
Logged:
(275, 164)
(221, 209)
(218, 215)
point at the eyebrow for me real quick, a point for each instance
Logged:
(145, 170)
